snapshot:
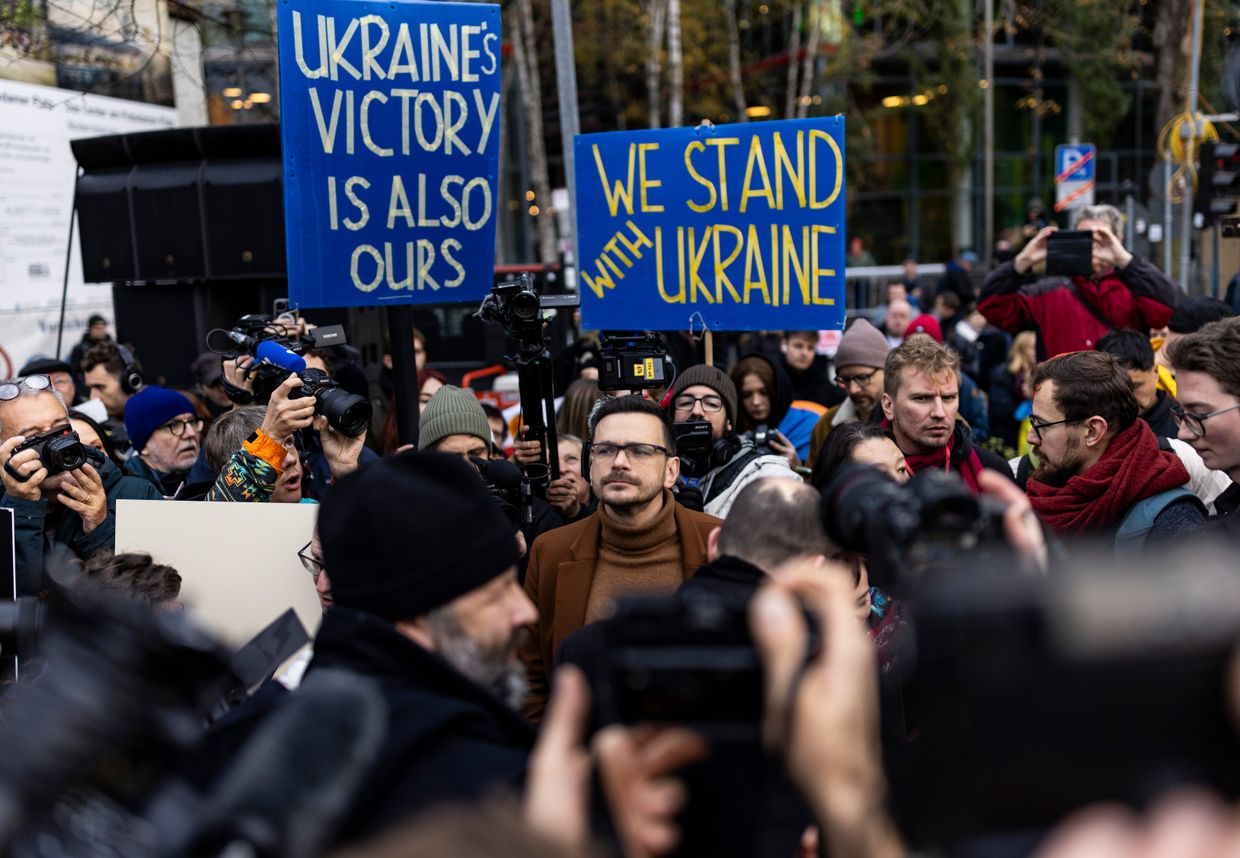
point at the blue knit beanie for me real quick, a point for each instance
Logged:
(150, 408)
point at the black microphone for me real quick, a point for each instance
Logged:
(289, 788)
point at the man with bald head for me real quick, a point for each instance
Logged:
(899, 314)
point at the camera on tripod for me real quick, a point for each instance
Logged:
(633, 360)
(517, 305)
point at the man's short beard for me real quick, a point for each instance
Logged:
(494, 670)
(1058, 475)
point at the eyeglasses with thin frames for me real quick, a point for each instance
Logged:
(13, 388)
(607, 453)
(313, 566)
(1196, 422)
(1036, 428)
(861, 379)
(710, 404)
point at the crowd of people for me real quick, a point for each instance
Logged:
(1099, 413)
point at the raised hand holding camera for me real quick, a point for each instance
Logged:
(287, 415)
(82, 492)
(23, 471)
(342, 451)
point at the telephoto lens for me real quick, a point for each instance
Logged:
(346, 412)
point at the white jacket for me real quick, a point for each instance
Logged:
(762, 466)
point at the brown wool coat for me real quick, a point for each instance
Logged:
(558, 581)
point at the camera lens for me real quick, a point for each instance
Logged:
(346, 412)
(525, 304)
(63, 454)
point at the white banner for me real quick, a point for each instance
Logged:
(37, 175)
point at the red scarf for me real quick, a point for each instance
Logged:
(1132, 469)
(969, 466)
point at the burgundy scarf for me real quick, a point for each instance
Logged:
(970, 464)
(1132, 469)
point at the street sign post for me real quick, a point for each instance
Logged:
(1074, 175)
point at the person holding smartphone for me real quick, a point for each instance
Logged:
(1117, 291)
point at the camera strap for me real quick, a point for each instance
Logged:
(730, 472)
(1093, 311)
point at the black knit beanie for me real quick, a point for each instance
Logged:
(410, 533)
(711, 377)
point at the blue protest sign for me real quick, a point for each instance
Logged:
(735, 227)
(390, 128)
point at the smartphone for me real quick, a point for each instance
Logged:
(1070, 252)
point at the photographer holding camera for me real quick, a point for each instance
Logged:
(1115, 290)
(704, 393)
(63, 494)
(255, 453)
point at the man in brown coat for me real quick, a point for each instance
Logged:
(638, 541)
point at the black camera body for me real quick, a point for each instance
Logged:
(632, 360)
(346, 412)
(1070, 252)
(59, 450)
(507, 488)
(905, 531)
(694, 447)
(681, 661)
(517, 306)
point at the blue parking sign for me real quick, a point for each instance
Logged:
(1074, 162)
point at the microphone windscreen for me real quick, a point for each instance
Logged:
(274, 353)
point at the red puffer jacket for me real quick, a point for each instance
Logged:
(1138, 298)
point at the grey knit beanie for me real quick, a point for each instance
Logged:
(713, 378)
(862, 345)
(452, 411)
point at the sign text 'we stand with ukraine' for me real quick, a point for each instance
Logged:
(735, 227)
(390, 123)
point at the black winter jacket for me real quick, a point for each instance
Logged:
(42, 529)
(448, 740)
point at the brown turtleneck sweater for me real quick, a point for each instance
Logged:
(635, 560)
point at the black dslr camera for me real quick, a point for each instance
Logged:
(632, 360)
(346, 412)
(694, 446)
(59, 450)
(277, 352)
(905, 531)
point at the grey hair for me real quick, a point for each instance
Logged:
(565, 436)
(23, 390)
(229, 431)
(1109, 215)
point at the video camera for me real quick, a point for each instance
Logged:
(277, 352)
(633, 360)
(517, 305)
(905, 531)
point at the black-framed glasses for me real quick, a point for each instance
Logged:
(313, 566)
(1035, 428)
(710, 404)
(607, 453)
(1196, 423)
(13, 388)
(861, 379)
(176, 428)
